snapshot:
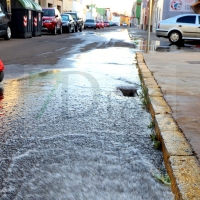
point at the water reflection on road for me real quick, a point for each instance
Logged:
(71, 134)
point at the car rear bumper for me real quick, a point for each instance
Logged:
(90, 26)
(48, 27)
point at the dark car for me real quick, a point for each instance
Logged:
(90, 23)
(78, 21)
(68, 23)
(5, 30)
(51, 21)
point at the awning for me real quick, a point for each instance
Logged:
(196, 7)
(36, 6)
(26, 4)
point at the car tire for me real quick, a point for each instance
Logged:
(54, 32)
(76, 28)
(1, 76)
(95, 28)
(81, 29)
(175, 37)
(60, 30)
(8, 33)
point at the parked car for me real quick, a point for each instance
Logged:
(124, 24)
(68, 23)
(51, 21)
(98, 24)
(179, 28)
(102, 24)
(78, 21)
(90, 23)
(5, 30)
(106, 24)
(111, 23)
(2, 68)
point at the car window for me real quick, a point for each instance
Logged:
(48, 12)
(89, 20)
(187, 19)
(65, 17)
(70, 17)
(73, 15)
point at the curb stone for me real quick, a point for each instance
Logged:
(180, 161)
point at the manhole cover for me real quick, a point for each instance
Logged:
(193, 62)
(128, 92)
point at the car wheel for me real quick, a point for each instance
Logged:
(95, 28)
(81, 29)
(8, 33)
(175, 37)
(54, 32)
(73, 31)
(1, 76)
(76, 28)
(60, 30)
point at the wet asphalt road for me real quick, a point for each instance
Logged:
(67, 132)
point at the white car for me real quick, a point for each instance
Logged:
(124, 24)
(179, 28)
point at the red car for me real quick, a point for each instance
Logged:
(102, 24)
(106, 24)
(51, 21)
(98, 24)
(2, 68)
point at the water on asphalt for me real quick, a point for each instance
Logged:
(71, 134)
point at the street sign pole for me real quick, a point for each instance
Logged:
(149, 26)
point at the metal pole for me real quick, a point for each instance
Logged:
(149, 26)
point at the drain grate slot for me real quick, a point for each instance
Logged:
(128, 92)
(193, 62)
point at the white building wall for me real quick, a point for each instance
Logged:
(116, 19)
(157, 13)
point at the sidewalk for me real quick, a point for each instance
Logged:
(178, 76)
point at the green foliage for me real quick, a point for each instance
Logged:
(152, 124)
(144, 97)
(163, 178)
(156, 142)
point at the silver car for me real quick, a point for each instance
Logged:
(179, 28)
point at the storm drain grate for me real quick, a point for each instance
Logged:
(193, 62)
(129, 92)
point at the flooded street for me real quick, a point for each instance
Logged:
(68, 132)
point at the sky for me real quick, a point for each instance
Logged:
(115, 5)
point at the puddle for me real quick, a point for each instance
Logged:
(162, 46)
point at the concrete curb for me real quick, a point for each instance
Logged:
(181, 163)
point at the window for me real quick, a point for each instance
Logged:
(187, 19)
(48, 12)
(65, 17)
(89, 20)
